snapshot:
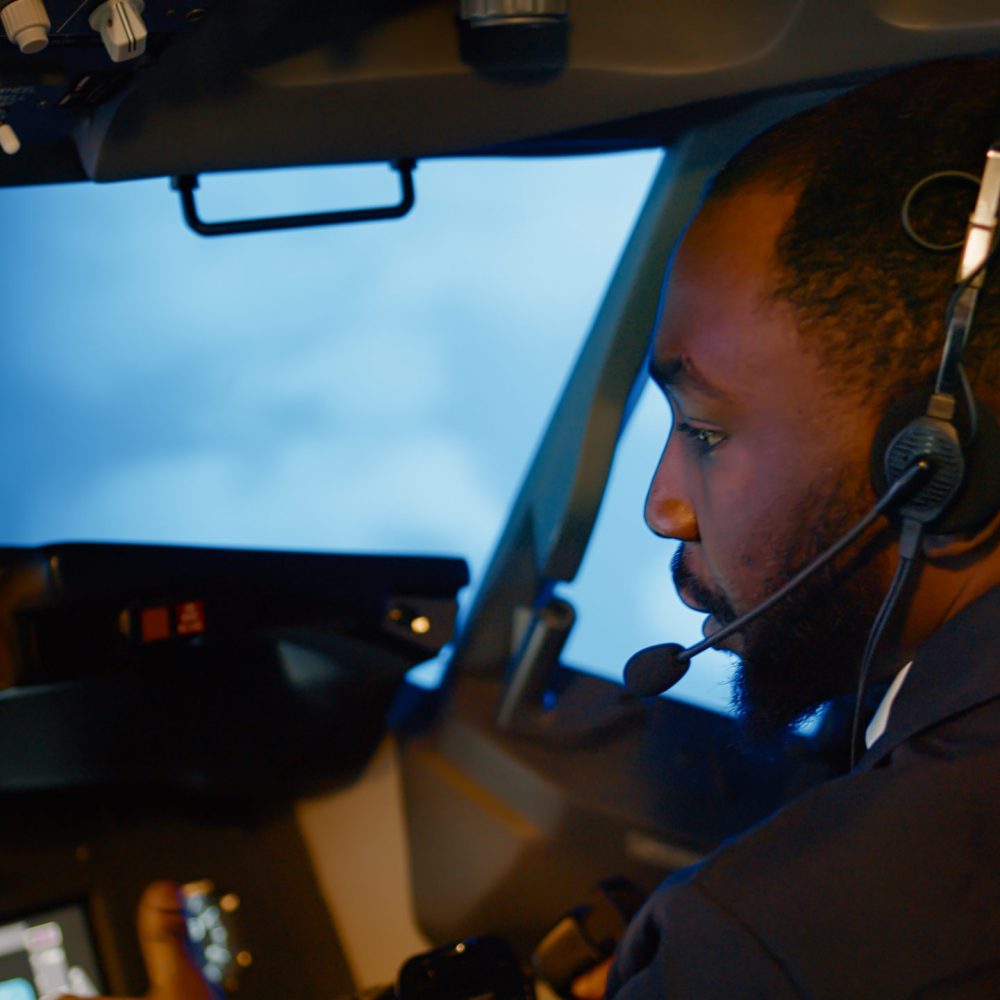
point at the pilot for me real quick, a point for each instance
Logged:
(801, 330)
(802, 321)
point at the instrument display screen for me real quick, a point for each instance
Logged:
(46, 954)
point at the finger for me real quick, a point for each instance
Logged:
(593, 984)
(73, 996)
(172, 972)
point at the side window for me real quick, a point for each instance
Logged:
(623, 594)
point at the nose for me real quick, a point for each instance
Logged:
(669, 513)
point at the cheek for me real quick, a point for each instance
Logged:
(746, 525)
(741, 549)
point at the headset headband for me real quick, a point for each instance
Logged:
(977, 252)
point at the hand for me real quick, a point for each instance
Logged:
(163, 939)
(592, 985)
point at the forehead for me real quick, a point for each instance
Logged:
(720, 324)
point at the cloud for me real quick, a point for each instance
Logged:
(422, 494)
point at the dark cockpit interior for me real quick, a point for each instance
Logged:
(240, 720)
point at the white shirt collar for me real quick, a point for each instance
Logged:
(881, 718)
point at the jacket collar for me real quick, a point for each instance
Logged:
(954, 670)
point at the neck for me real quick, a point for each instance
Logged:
(953, 572)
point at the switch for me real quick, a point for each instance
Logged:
(9, 141)
(121, 28)
(26, 23)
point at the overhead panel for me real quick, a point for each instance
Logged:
(174, 87)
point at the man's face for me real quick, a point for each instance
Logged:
(765, 466)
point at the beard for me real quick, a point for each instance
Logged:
(807, 649)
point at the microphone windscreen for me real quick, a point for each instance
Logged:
(655, 669)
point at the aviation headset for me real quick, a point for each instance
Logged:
(958, 488)
(935, 458)
(962, 492)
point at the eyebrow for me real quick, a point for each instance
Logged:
(680, 373)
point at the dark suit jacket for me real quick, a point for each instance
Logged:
(883, 883)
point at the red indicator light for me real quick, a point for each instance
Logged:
(154, 624)
(190, 618)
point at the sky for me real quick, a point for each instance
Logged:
(376, 387)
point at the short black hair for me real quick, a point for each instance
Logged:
(868, 299)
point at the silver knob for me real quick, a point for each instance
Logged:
(121, 27)
(492, 13)
(27, 24)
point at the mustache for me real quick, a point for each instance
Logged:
(715, 603)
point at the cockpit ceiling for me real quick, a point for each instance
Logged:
(246, 84)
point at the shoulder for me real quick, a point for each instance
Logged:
(874, 884)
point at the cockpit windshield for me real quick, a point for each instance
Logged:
(375, 387)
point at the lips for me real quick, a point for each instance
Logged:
(692, 592)
(698, 597)
(733, 643)
(689, 600)
(711, 624)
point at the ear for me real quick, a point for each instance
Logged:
(977, 499)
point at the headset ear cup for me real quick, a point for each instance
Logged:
(979, 500)
(976, 499)
(898, 416)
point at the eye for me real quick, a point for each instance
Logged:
(705, 439)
